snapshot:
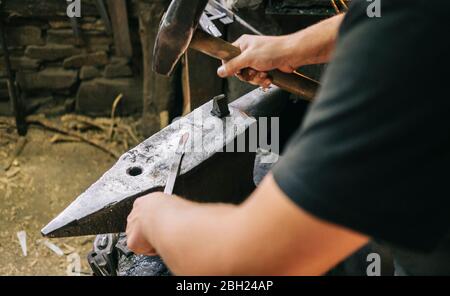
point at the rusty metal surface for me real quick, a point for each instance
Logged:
(208, 175)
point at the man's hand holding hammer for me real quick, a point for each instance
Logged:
(286, 53)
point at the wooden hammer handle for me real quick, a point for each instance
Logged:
(217, 48)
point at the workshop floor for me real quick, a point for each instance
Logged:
(44, 179)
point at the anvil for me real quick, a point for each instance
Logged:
(207, 175)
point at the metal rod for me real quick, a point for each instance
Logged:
(175, 167)
(235, 17)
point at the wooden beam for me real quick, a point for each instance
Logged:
(119, 20)
(160, 92)
(186, 84)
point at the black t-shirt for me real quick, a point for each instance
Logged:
(373, 153)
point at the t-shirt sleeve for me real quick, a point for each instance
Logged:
(373, 151)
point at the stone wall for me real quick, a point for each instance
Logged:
(58, 73)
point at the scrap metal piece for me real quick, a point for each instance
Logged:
(216, 8)
(22, 237)
(175, 167)
(206, 175)
(54, 248)
(103, 258)
(208, 26)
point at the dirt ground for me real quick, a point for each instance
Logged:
(42, 181)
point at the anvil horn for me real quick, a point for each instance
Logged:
(209, 175)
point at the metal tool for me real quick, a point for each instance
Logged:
(207, 175)
(227, 16)
(175, 167)
(208, 26)
(103, 258)
(216, 11)
(178, 31)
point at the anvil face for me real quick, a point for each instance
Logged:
(206, 173)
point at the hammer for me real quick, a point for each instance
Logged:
(178, 31)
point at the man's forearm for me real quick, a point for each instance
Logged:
(315, 44)
(266, 235)
(192, 238)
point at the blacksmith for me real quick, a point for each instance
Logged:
(370, 161)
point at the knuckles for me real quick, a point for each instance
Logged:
(246, 37)
(131, 244)
(137, 202)
(141, 200)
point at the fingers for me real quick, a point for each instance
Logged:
(242, 42)
(244, 60)
(255, 77)
(238, 43)
(135, 230)
(233, 66)
(139, 246)
(137, 242)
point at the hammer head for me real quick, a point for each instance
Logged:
(175, 33)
